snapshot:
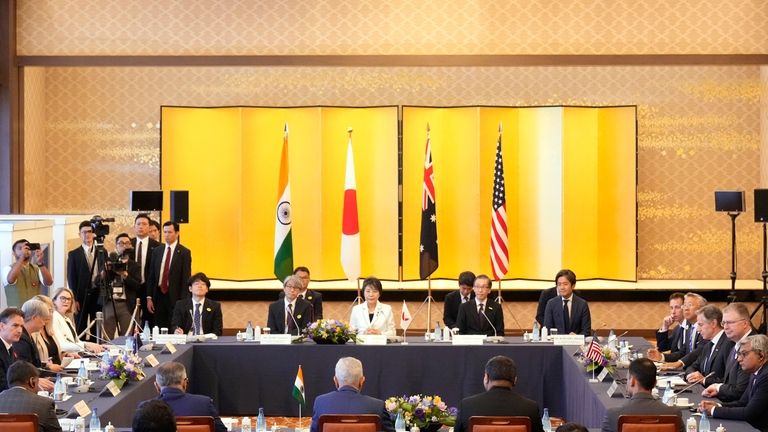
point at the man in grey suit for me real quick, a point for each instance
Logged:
(642, 379)
(21, 397)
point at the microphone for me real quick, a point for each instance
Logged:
(298, 329)
(495, 338)
(693, 384)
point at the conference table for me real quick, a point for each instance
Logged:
(242, 377)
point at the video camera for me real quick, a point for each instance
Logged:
(100, 229)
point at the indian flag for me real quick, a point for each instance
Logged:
(283, 241)
(298, 387)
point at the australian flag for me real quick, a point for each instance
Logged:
(428, 246)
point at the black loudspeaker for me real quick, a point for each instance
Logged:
(146, 200)
(180, 206)
(761, 205)
(729, 201)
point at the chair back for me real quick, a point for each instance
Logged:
(499, 424)
(194, 424)
(18, 422)
(349, 423)
(650, 423)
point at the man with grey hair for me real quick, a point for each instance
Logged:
(290, 314)
(347, 399)
(171, 382)
(22, 397)
(737, 327)
(752, 406)
(689, 338)
(36, 314)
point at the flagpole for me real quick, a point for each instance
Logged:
(429, 302)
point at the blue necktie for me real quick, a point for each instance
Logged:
(196, 319)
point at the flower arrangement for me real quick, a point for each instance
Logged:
(330, 331)
(422, 411)
(123, 368)
(608, 361)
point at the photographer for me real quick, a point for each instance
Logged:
(22, 280)
(124, 278)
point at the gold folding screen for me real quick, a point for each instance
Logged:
(570, 183)
(570, 188)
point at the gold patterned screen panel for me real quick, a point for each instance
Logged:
(343, 27)
(698, 131)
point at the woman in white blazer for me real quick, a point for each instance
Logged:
(64, 328)
(372, 317)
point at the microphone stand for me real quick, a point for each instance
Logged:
(495, 338)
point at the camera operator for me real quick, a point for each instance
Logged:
(22, 280)
(124, 278)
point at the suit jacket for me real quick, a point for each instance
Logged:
(640, 403)
(79, 274)
(68, 342)
(668, 341)
(735, 380)
(470, 321)
(5, 363)
(498, 401)
(210, 316)
(152, 244)
(347, 400)
(677, 352)
(580, 321)
(178, 273)
(451, 307)
(544, 298)
(25, 349)
(302, 313)
(18, 400)
(716, 362)
(185, 404)
(314, 298)
(752, 406)
(383, 320)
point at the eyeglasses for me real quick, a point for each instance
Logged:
(725, 323)
(742, 354)
(65, 299)
(293, 287)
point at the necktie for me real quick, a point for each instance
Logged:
(196, 319)
(11, 354)
(89, 258)
(709, 351)
(466, 299)
(301, 296)
(480, 308)
(691, 338)
(166, 266)
(290, 327)
(566, 317)
(140, 259)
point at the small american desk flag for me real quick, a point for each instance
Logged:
(595, 352)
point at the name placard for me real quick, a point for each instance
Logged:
(468, 339)
(372, 339)
(176, 339)
(169, 346)
(151, 360)
(81, 408)
(612, 389)
(601, 376)
(112, 387)
(569, 339)
(276, 339)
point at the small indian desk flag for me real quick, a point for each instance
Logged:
(298, 387)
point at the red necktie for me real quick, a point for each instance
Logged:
(166, 266)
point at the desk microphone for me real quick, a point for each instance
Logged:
(495, 338)
(693, 384)
(298, 329)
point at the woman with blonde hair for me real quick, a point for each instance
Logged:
(63, 326)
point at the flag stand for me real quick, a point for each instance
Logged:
(429, 301)
(299, 428)
(593, 379)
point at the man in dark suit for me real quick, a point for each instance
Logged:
(11, 328)
(711, 356)
(752, 406)
(171, 382)
(290, 314)
(313, 297)
(81, 274)
(22, 398)
(198, 314)
(498, 398)
(36, 313)
(142, 246)
(668, 335)
(568, 313)
(481, 316)
(125, 284)
(737, 328)
(454, 299)
(347, 399)
(642, 379)
(169, 272)
(686, 337)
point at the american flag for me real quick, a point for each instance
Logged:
(595, 352)
(428, 245)
(499, 241)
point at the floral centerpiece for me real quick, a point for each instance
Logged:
(328, 331)
(595, 357)
(426, 412)
(122, 368)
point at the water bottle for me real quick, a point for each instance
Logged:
(400, 422)
(446, 333)
(82, 373)
(59, 389)
(669, 395)
(146, 334)
(438, 334)
(545, 422)
(128, 344)
(249, 332)
(155, 332)
(536, 334)
(95, 425)
(109, 428)
(245, 426)
(105, 357)
(80, 424)
(690, 425)
(261, 422)
(544, 333)
(704, 422)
